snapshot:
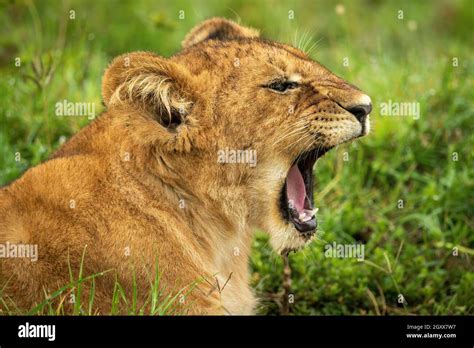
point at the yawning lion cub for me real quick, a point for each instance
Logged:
(142, 190)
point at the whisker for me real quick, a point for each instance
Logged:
(300, 125)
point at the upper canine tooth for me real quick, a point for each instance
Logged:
(314, 211)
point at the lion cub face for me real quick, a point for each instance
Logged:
(246, 112)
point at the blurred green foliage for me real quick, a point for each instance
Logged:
(408, 250)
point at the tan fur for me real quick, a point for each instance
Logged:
(144, 176)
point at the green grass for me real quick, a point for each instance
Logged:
(408, 251)
(78, 297)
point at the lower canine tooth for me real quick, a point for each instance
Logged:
(303, 217)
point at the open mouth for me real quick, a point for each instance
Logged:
(296, 203)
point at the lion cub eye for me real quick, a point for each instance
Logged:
(282, 86)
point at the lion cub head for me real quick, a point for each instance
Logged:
(235, 124)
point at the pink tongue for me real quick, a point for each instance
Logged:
(295, 189)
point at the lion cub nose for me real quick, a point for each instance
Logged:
(362, 108)
(360, 111)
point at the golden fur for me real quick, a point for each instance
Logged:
(141, 185)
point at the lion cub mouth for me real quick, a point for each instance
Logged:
(297, 204)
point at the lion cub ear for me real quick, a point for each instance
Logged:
(217, 29)
(153, 84)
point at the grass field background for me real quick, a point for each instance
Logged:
(406, 192)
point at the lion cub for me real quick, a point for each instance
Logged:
(193, 154)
